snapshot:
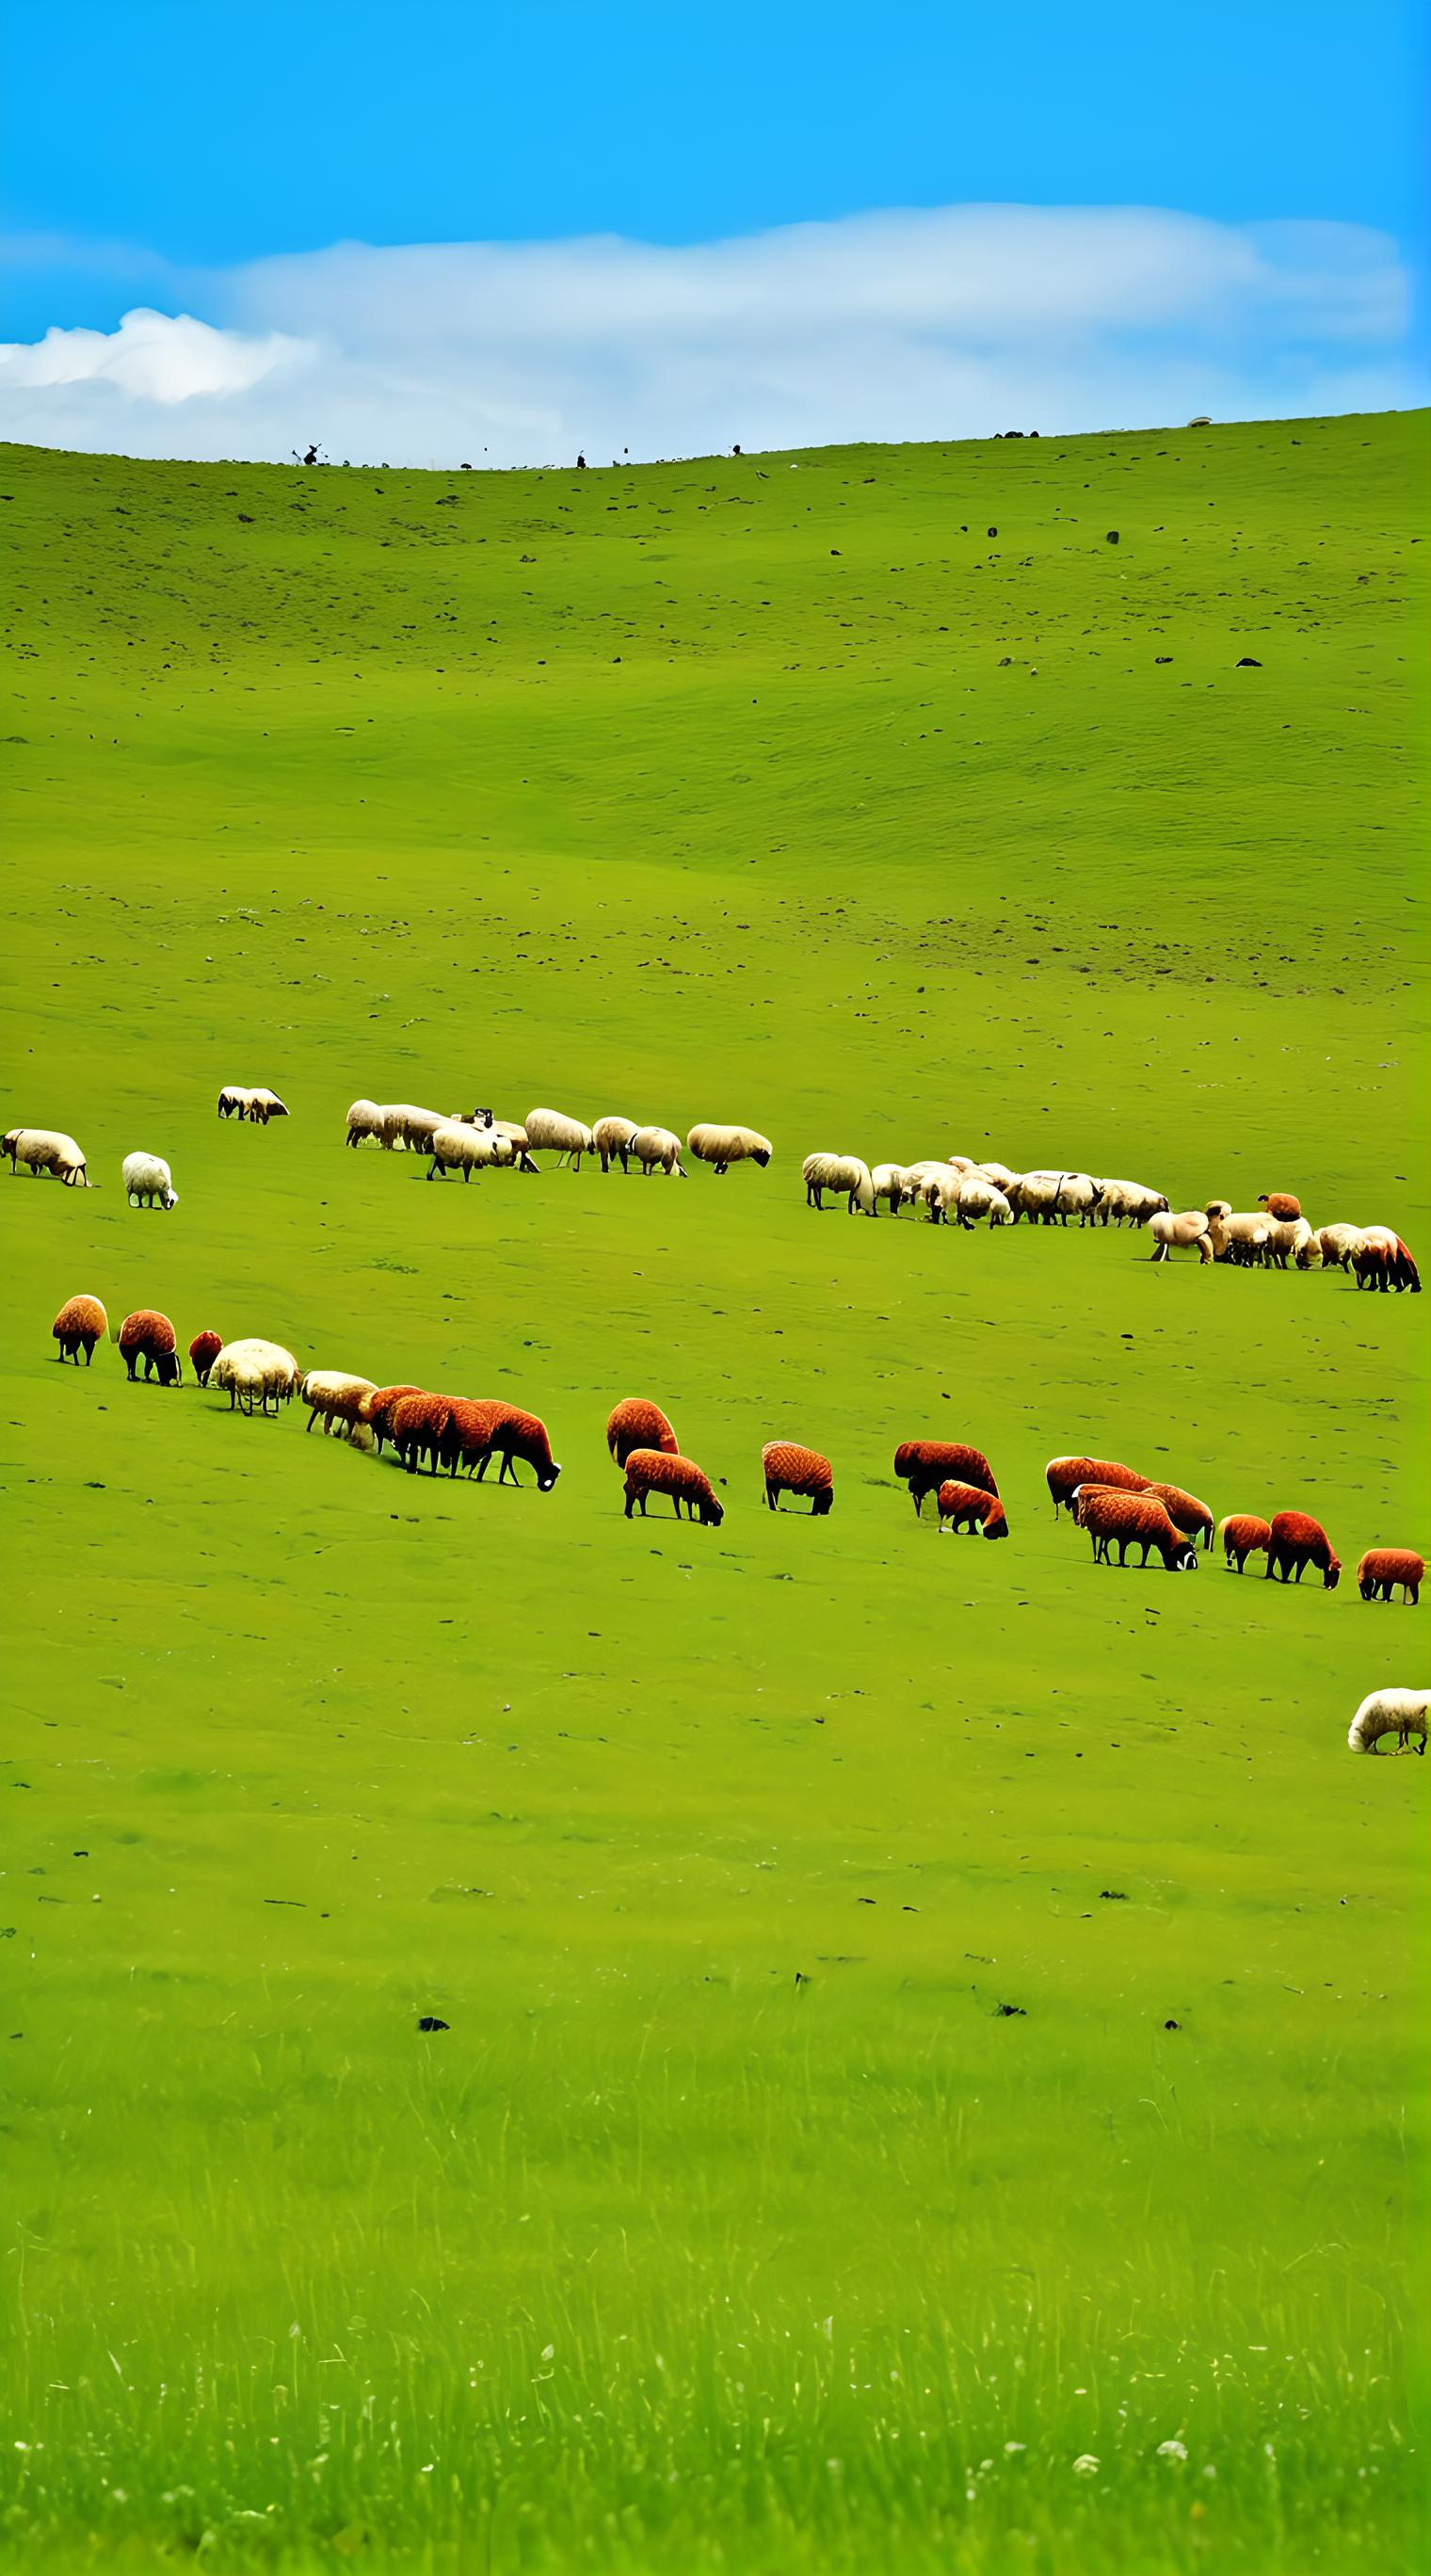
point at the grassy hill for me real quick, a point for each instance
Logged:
(928, 2026)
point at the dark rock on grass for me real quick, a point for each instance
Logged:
(429, 2021)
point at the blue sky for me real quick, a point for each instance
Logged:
(155, 153)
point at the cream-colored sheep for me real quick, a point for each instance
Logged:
(255, 1369)
(1338, 1243)
(1288, 1239)
(1390, 1712)
(887, 1181)
(1240, 1238)
(613, 1138)
(466, 1150)
(45, 1149)
(999, 1173)
(1130, 1203)
(976, 1197)
(235, 1100)
(407, 1128)
(1179, 1234)
(337, 1398)
(550, 1131)
(148, 1180)
(938, 1192)
(265, 1104)
(365, 1119)
(722, 1146)
(844, 1175)
(657, 1150)
(516, 1136)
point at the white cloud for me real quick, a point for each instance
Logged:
(952, 322)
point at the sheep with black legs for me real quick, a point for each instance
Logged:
(1401, 1713)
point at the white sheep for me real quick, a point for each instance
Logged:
(409, 1128)
(147, 1178)
(255, 1368)
(1179, 1233)
(1130, 1203)
(550, 1131)
(235, 1100)
(722, 1146)
(337, 1398)
(457, 1148)
(999, 1173)
(1389, 1712)
(1338, 1243)
(517, 1138)
(613, 1138)
(842, 1174)
(1241, 1239)
(915, 1175)
(365, 1119)
(1290, 1239)
(657, 1150)
(887, 1182)
(976, 1196)
(265, 1104)
(45, 1149)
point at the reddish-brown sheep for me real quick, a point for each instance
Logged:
(521, 1435)
(204, 1349)
(377, 1410)
(1404, 1271)
(466, 1436)
(418, 1424)
(1064, 1476)
(149, 1337)
(789, 1469)
(968, 1507)
(1282, 1205)
(1382, 1569)
(925, 1465)
(653, 1471)
(1185, 1512)
(1133, 1520)
(1244, 1535)
(637, 1423)
(1298, 1541)
(80, 1323)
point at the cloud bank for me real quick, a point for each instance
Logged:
(899, 325)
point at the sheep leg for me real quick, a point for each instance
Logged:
(770, 1496)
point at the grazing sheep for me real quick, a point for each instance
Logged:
(1052, 1197)
(968, 1507)
(722, 1146)
(1133, 1520)
(1184, 1511)
(254, 1369)
(613, 1139)
(516, 1136)
(1241, 1241)
(657, 1150)
(938, 1191)
(517, 1435)
(147, 1181)
(1298, 1541)
(336, 1399)
(789, 1469)
(466, 1150)
(1382, 1261)
(550, 1131)
(204, 1349)
(463, 1436)
(80, 1323)
(1383, 1569)
(1243, 1535)
(843, 1174)
(1290, 1238)
(1280, 1204)
(377, 1410)
(887, 1184)
(1309, 1249)
(45, 1149)
(418, 1424)
(1180, 1233)
(365, 1119)
(651, 1471)
(1338, 1243)
(925, 1465)
(1000, 1175)
(265, 1104)
(409, 1129)
(1401, 1713)
(148, 1336)
(637, 1423)
(1063, 1476)
(975, 1196)
(235, 1100)
(1129, 1203)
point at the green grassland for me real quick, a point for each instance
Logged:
(730, 2223)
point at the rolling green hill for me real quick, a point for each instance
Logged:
(927, 2026)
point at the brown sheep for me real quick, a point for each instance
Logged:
(1298, 1541)
(651, 1471)
(377, 1410)
(1185, 1512)
(149, 1337)
(1383, 1568)
(204, 1349)
(80, 1323)
(1244, 1535)
(1281, 1204)
(466, 1436)
(1133, 1520)
(418, 1425)
(637, 1423)
(968, 1507)
(789, 1469)
(1063, 1477)
(521, 1435)
(925, 1465)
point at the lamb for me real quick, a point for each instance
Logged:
(1185, 1512)
(378, 1409)
(1338, 1243)
(657, 1150)
(204, 1349)
(365, 1119)
(789, 1469)
(1243, 1535)
(925, 1465)
(252, 1368)
(147, 1179)
(1133, 1520)
(551, 1131)
(45, 1149)
(1401, 1713)
(336, 1399)
(637, 1423)
(722, 1146)
(80, 1323)
(651, 1471)
(235, 1100)
(265, 1104)
(466, 1150)
(842, 1173)
(1382, 1569)
(1298, 1541)
(1063, 1476)
(612, 1138)
(1129, 1203)
(1179, 1233)
(968, 1507)
(1280, 1204)
(148, 1336)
